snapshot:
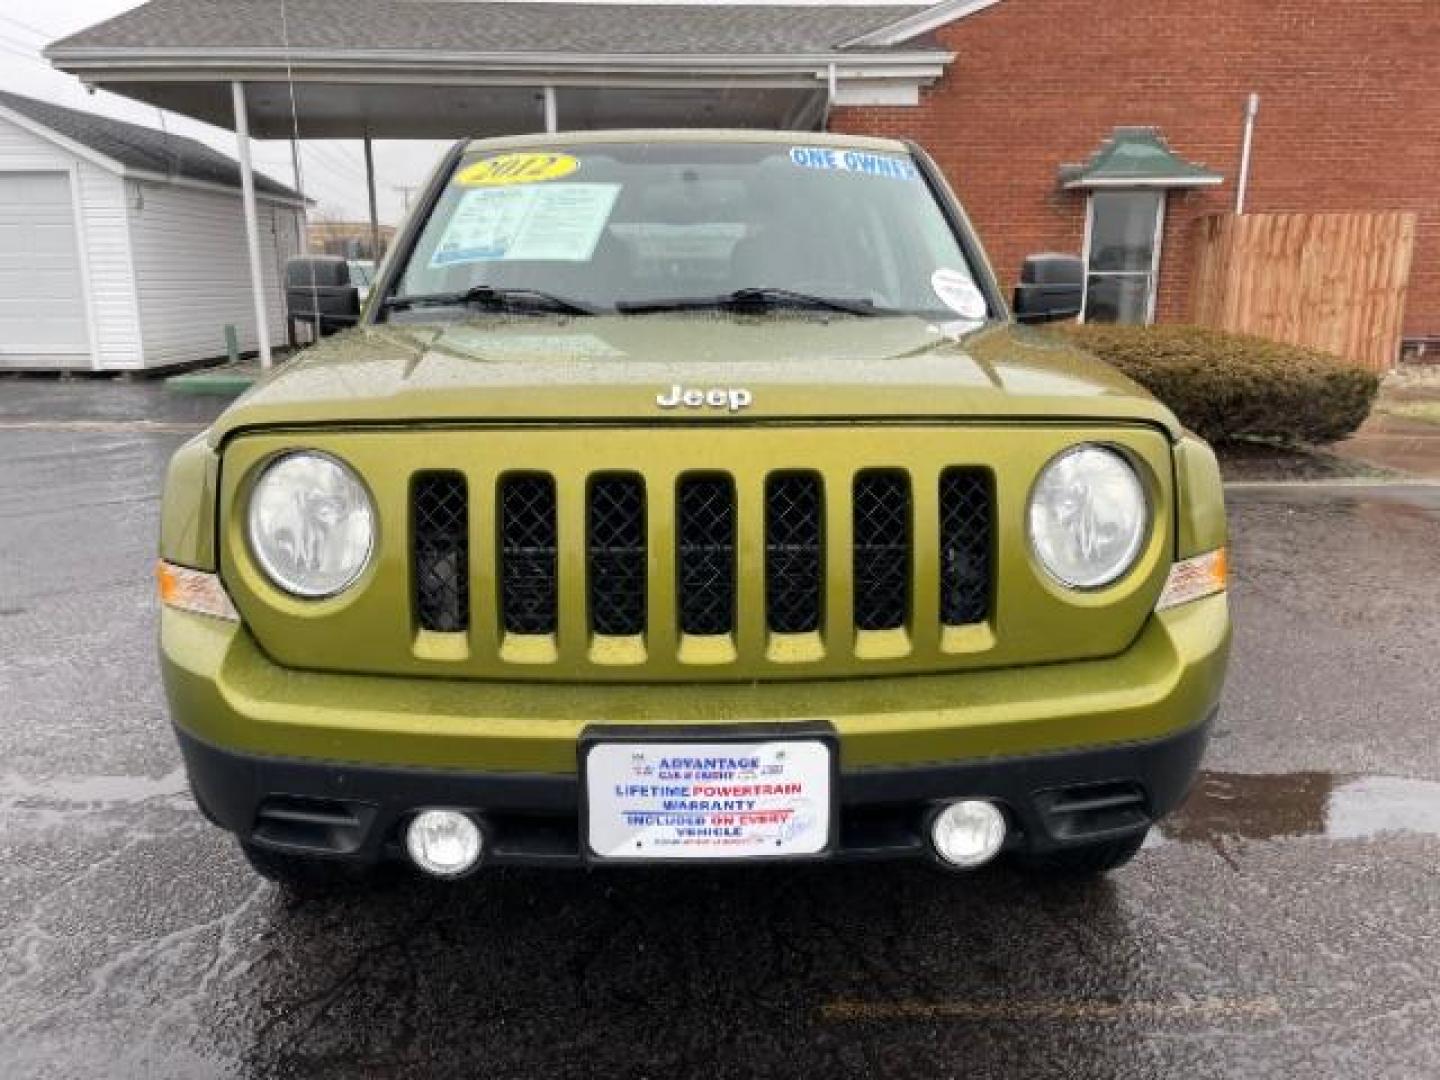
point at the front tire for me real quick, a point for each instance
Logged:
(1089, 860)
(304, 874)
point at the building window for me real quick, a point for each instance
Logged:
(1122, 255)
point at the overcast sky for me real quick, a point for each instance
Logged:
(334, 170)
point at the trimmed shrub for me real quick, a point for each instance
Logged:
(1228, 386)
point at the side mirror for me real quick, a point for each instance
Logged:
(318, 293)
(1051, 288)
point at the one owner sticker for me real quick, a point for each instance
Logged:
(853, 161)
(516, 169)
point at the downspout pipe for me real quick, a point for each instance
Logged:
(1252, 109)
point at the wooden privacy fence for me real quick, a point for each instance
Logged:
(1331, 281)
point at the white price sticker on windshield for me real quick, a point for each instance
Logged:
(553, 222)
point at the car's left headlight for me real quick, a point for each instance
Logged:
(1088, 517)
(311, 524)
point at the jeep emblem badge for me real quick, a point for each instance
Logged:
(732, 399)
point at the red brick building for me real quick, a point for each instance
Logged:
(1349, 117)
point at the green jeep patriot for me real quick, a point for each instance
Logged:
(691, 497)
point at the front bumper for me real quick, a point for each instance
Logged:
(358, 813)
(1042, 740)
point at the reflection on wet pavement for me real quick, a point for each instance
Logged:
(1225, 806)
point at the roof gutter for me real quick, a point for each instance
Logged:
(261, 57)
(149, 177)
(919, 68)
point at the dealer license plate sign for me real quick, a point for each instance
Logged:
(698, 800)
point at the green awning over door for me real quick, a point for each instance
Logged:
(1136, 157)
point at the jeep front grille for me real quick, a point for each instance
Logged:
(682, 551)
(703, 520)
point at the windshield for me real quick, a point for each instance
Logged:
(631, 226)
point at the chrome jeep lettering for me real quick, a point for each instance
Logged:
(732, 399)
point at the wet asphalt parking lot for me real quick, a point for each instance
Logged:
(1285, 923)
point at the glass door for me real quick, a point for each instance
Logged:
(1122, 255)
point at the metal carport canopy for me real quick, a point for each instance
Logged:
(426, 69)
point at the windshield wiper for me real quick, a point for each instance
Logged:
(489, 296)
(750, 299)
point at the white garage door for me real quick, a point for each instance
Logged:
(42, 306)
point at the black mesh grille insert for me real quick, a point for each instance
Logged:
(440, 548)
(527, 555)
(616, 547)
(706, 529)
(965, 530)
(794, 524)
(882, 549)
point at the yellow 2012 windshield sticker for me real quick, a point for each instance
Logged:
(516, 169)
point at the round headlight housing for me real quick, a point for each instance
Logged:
(1088, 517)
(311, 525)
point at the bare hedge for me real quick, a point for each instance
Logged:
(1228, 386)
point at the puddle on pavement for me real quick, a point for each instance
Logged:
(1257, 806)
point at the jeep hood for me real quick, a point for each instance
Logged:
(611, 369)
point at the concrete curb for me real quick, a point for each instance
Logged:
(217, 383)
(1337, 482)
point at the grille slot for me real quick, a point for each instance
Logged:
(616, 553)
(965, 538)
(441, 551)
(881, 556)
(706, 555)
(794, 527)
(528, 547)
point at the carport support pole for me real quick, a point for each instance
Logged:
(252, 220)
(552, 120)
(370, 188)
(302, 223)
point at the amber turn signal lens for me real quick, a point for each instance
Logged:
(193, 590)
(1194, 578)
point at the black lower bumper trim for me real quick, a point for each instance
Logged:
(356, 812)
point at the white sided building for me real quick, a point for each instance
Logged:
(123, 248)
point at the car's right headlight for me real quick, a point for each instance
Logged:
(1088, 517)
(311, 525)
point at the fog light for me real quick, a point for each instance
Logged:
(968, 833)
(445, 843)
